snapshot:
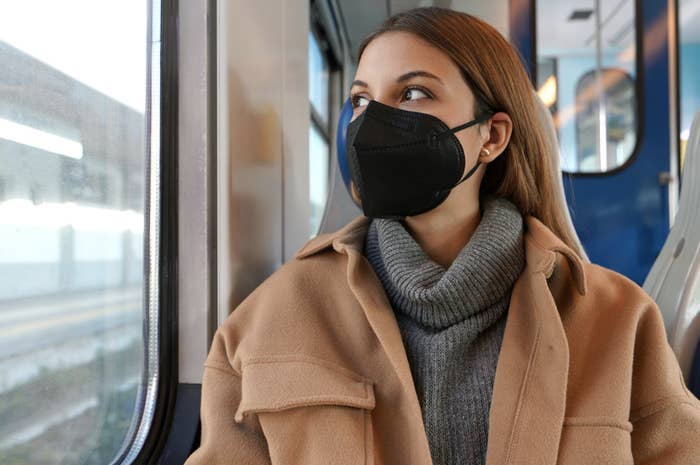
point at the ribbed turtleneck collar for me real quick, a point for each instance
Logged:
(480, 276)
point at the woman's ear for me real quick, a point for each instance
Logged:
(354, 195)
(500, 128)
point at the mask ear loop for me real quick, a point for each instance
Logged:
(466, 125)
(471, 171)
(468, 175)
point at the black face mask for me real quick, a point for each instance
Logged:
(404, 163)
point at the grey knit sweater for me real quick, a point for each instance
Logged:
(452, 322)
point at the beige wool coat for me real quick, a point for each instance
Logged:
(310, 369)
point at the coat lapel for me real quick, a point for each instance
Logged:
(371, 296)
(369, 293)
(529, 393)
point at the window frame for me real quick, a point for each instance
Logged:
(150, 435)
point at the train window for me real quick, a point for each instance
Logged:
(620, 118)
(318, 176)
(75, 369)
(689, 68)
(586, 61)
(319, 132)
(318, 80)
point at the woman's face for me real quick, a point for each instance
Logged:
(401, 70)
(404, 71)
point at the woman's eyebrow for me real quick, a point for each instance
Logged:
(419, 73)
(403, 77)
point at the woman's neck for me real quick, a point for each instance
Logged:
(442, 236)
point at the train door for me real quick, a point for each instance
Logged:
(603, 68)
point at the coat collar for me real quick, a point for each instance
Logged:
(528, 406)
(540, 242)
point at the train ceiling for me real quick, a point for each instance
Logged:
(363, 16)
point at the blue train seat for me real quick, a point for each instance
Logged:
(340, 208)
(674, 279)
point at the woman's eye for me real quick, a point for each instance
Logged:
(414, 94)
(359, 101)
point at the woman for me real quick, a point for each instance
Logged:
(455, 322)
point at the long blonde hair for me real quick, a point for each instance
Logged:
(493, 70)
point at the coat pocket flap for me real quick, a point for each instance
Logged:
(279, 383)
